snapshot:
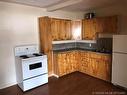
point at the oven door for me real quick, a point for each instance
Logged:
(33, 67)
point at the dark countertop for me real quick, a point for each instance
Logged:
(91, 47)
(71, 49)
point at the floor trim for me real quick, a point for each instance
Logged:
(53, 75)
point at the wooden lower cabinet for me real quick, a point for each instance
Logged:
(91, 63)
(96, 64)
(50, 65)
(65, 63)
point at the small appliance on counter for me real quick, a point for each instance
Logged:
(31, 67)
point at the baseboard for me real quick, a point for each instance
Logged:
(53, 75)
(7, 85)
(125, 88)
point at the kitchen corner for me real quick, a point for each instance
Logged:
(74, 46)
(85, 56)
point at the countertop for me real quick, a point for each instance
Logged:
(91, 46)
(72, 49)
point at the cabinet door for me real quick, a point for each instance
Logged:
(55, 28)
(76, 29)
(103, 63)
(61, 61)
(96, 65)
(68, 33)
(84, 62)
(99, 24)
(108, 66)
(73, 61)
(61, 29)
(66, 63)
(50, 65)
(110, 24)
(107, 24)
(88, 29)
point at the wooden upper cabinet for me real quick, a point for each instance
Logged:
(45, 34)
(55, 28)
(110, 24)
(60, 29)
(68, 30)
(90, 27)
(76, 29)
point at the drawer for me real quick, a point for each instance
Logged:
(34, 82)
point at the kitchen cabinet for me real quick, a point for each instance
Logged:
(110, 24)
(60, 29)
(52, 29)
(76, 29)
(65, 62)
(46, 40)
(91, 27)
(95, 64)
(88, 29)
(84, 62)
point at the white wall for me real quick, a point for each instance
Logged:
(19, 26)
(119, 10)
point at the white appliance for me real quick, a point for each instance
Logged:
(119, 63)
(31, 67)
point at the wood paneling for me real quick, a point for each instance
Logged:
(90, 27)
(46, 40)
(96, 64)
(45, 34)
(110, 24)
(66, 63)
(61, 29)
(68, 30)
(55, 28)
(52, 29)
(76, 24)
(91, 63)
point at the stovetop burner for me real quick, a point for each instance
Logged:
(24, 56)
(32, 55)
(37, 54)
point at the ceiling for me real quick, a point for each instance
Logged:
(82, 5)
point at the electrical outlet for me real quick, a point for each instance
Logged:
(90, 45)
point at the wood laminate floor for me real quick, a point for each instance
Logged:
(72, 84)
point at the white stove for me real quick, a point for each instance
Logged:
(31, 67)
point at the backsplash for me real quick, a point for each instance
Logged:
(64, 46)
(86, 45)
(103, 45)
(76, 45)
